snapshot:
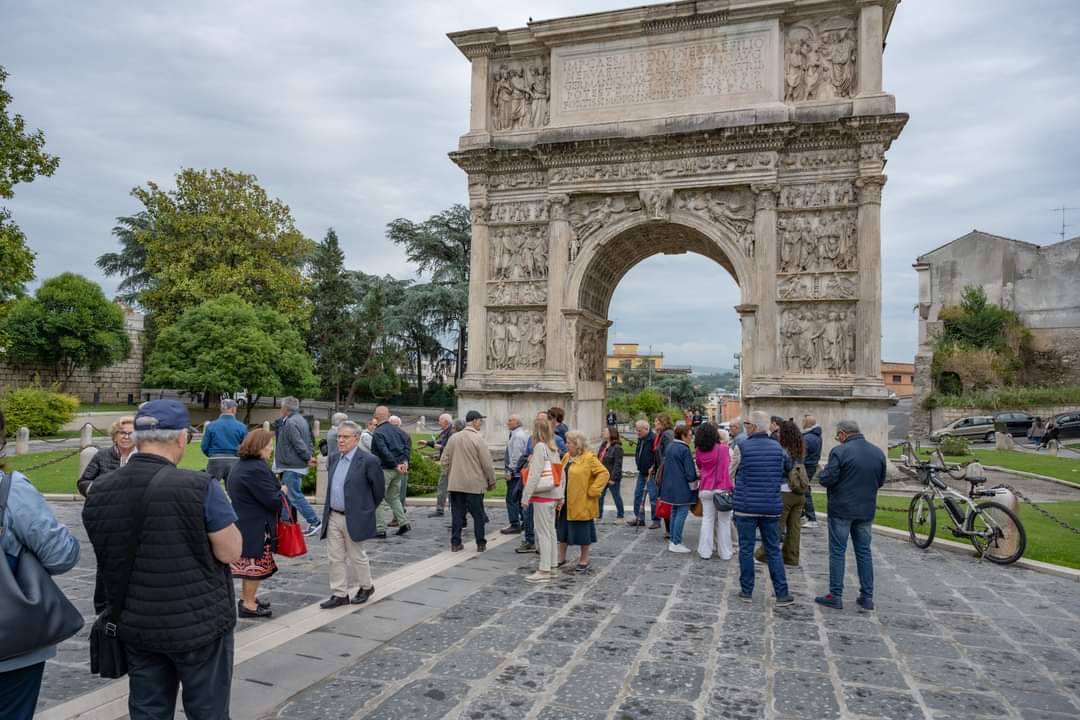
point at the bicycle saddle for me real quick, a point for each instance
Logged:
(972, 472)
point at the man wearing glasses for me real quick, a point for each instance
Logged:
(356, 489)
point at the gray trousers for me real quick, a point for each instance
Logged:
(444, 483)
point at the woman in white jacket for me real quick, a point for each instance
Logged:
(546, 498)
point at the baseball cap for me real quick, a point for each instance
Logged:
(162, 415)
(473, 415)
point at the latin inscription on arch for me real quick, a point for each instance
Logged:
(718, 69)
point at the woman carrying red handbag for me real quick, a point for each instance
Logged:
(257, 500)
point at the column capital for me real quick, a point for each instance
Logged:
(746, 309)
(765, 196)
(478, 212)
(558, 206)
(869, 187)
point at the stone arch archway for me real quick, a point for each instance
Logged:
(584, 156)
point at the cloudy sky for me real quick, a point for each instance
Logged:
(346, 111)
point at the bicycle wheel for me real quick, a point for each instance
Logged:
(922, 520)
(999, 535)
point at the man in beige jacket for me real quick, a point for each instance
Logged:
(470, 473)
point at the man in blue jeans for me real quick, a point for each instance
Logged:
(757, 504)
(294, 453)
(644, 460)
(855, 472)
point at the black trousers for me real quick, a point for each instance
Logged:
(460, 503)
(19, 691)
(205, 674)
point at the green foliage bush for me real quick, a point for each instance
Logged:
(423, 475)
(953, 446)
(43, 410)
(1008, 398)
(307, 485)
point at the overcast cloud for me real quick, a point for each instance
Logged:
(346, 111)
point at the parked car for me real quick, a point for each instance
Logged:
(976, 427)
(1068, 425)
(1018, 423)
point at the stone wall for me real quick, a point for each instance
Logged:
(109, 385)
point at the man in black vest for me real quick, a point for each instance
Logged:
(178, 609)
(356, 489)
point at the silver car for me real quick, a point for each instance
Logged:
(976, 427)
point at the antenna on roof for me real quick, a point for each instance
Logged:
(1063, 210)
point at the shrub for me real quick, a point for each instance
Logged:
(307, 485)
(43, 410)
(954, 446)
(1009, 398)
(423, 475)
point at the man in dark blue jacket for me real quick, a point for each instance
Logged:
(852, 477)
(644, 459)
(389, 447)
(220, 440)
(812, 443)
(757, 503)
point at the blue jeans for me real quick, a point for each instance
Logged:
(296, 496)
(645, 486)
(679, 513)
(747, 527)
(808, 509)
(860, 532)
(19, 690)
(530, 529)
(513, 499)
(616, 492)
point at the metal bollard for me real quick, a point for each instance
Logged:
(22, 441)
(86, 436)
(316, 428)
(85, 456)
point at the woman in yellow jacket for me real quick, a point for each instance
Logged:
(585, 480)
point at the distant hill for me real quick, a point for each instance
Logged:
(711, 370)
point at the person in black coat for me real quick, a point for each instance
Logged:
(110, 458)
(611, 455)
(356, 488)
(256, 497)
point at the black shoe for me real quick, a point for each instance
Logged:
(437, 513)
(403, 529)
(512, 530)
(481, 547)
(262, 603)
(381, 535)
(334, 601)
(525, 548)
(457, 548)
(258, 612)
(362, 595)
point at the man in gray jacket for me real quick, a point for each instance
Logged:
(294, 453)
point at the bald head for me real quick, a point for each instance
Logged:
(382, 414)
(808, 422)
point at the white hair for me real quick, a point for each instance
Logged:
(642, 424)
(725, 436)
(447, 417)
(157, 436)
(351, 425)
(290, 403)
(760, 419)
(395, 420)
(338, 418)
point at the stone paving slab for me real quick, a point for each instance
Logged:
(650, 634)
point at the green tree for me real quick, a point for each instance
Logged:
(226, 345)
(375, 358)
(414, 322)
(130, 262)
(440, 246)
(67, 324)
(22, 158)
(219, 233)
(332, 332)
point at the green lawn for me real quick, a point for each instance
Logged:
(61, 477)
(108, 407)
(1055, 467)
(1045, 540)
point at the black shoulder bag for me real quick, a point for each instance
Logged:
(35, 614)
(107, 656)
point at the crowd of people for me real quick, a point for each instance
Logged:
(166, 578)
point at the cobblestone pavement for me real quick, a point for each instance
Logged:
(650, 634)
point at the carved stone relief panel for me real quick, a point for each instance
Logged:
(820, 60)
(674, 168)
(822, 194)
(819, 340)
(820, 159)
(524, 211)
(817, 286)
(519, 252)
(516, 340)
(589, 213)
(591, 350)
(513, 181)
(522, 292)
(520, 93)
(822, 241)
(731, 209)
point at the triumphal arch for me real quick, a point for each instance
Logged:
(752, 132)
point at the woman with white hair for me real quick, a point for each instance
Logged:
(585, 479)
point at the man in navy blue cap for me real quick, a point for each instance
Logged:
(164, 540)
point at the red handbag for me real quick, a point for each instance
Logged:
(663, 509)
(290, 538)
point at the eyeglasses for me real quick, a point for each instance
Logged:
(126, 433)
(341, 436)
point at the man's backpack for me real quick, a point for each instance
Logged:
(798, 480)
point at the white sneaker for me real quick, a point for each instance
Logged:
(312, 530)
(538, 577)
(678, 548)
(804, 522)
(811, 524)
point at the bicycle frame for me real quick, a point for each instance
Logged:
(941, 491)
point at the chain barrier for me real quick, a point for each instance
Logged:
(1041, 510)
(53, 461)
